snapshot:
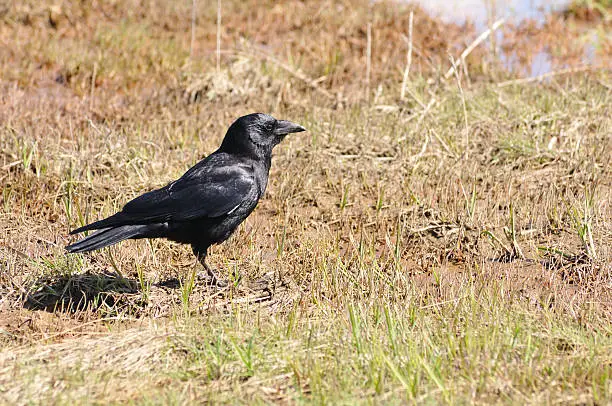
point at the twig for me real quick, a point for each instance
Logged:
(434, 227)
(497, 240)
(251, 299)
(473, 45)
(417, 52)
(423, 149)
(408, 57)
(10, 165)
(368, 61)
(426, 110)
(551, 74)
(442, 142)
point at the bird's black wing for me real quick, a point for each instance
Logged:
(209, 189)
(215, 194)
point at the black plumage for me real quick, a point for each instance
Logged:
(206, 204)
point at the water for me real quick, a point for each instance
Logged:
(482, 13)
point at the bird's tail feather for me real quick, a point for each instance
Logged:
(105, 237)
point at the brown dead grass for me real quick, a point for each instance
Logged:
(379, 206)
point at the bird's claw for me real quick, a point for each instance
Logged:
(211, 279)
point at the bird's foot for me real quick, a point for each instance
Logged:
(209, 276)
(211, 279)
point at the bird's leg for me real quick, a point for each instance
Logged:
(215, 280)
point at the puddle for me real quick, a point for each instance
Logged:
(479, 12)
(534, 39)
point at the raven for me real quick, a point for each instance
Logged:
(205, 205)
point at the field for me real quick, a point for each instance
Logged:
(433, 238)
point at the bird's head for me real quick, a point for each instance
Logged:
(257, 132)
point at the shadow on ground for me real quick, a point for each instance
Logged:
(88, 292)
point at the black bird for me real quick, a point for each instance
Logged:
(205, 205)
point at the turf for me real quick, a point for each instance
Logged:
(451, 246)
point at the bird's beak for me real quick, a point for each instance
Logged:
(284, 127)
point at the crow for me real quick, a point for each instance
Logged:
(205, 205)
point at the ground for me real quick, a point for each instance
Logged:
(438, 239)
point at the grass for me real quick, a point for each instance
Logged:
(451, 246)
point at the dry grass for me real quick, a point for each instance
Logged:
(394, 259)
